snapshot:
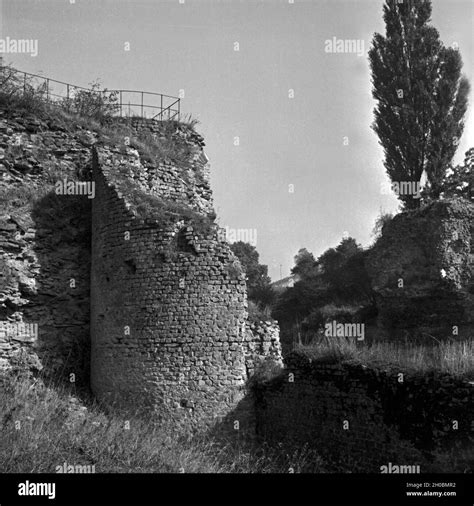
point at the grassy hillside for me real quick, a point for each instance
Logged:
(44, 426)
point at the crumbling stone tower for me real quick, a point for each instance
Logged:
(168, 301)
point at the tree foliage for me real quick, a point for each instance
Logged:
(382, 219)
(421, 96)
(343, 271)
(336, 280)
(459, 182)
(305, 263)
(258, 280)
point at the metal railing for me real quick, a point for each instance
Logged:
(125, 103)
(167, 106)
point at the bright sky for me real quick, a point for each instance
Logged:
(301, 115)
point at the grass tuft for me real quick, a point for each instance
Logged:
(453, 357)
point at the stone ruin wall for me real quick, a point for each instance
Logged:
(188, 353)
(360, 417)
(168, 324)
(44, 268)
(169, 321)
(421, 271)
(165, 179)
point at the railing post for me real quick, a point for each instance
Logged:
(47, 90)
(179, 109)
(142, 104)
(121, 103)
(67, 97)
(24, 84)
(161, 108)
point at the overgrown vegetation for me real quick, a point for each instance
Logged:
(149, 206)
(19, 94)
(92, 110)
(260, 293)
(96, 102)
(459, 180)
(336, 286)
(23, 93)
(382, 219)
(34, 415)
(169, 146)
(453, 357)
(257, 313)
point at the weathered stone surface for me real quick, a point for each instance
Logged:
(422, 269)
(168, 303)
(263, 343)
(38, 258)
(359, 417)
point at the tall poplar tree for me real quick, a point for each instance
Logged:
(421, 97)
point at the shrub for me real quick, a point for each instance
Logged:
(382, 219)
(258, 313)
(233, 269)
(21, 94)
(95, 102)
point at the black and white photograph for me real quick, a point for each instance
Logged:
(236, 252)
